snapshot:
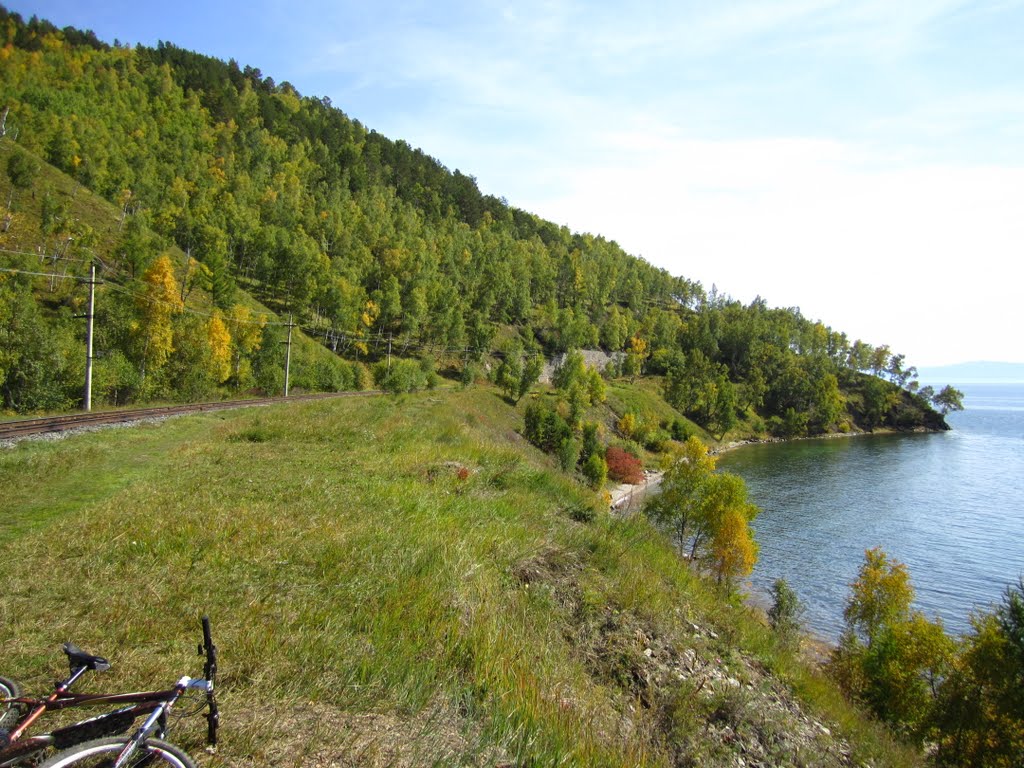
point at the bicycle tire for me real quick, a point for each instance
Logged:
(10, 713)
(101, 753)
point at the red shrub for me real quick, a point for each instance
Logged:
(623, 467)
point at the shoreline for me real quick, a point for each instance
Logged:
(625, 497)
(882, 432)
(628, 499)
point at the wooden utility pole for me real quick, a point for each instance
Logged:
(288, 355)
(91, 313)
(389, 353)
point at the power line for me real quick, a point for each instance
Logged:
(80, 278)
(42, 255)
(189, 310)
(140, 296)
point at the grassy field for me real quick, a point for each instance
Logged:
(391, 582)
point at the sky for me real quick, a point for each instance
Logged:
(862, 160)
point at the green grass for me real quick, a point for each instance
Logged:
(373, 602)
(643, 398)
(42, 481)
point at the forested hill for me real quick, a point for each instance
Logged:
(368, 243)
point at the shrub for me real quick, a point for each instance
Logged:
(758, 424)
(568, 453)
(545, 427)
(679, 430)
(591, 440)
(361, 378)
(656, 439)
(429, 368)
(623, 467)
(325, 375)
(595, 469)
(627, 425)
(470, 374)
(786, 610)
(582, 513)
(402, 376)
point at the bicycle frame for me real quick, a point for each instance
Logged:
(159, 715)
(107, 724)
(155, 704)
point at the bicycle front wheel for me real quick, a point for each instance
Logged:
(10, 713)
(102, 753)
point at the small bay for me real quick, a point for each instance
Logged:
(949, 505)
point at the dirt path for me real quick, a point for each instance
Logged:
(627, 498)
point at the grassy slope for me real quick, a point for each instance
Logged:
(365, 594)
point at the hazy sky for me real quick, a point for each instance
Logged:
(861, 160)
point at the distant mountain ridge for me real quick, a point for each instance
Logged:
(980, 371)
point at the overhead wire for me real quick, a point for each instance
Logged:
(43, 274)
(42, 256)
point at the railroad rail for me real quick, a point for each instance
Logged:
(25, 427)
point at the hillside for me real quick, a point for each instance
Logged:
(373, 247)
(53, 231)
(403, 582)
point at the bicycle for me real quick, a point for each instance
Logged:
(10, 712)
(156, 705)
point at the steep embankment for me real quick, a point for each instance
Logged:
(395, 582)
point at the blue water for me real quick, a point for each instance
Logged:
(950, 506)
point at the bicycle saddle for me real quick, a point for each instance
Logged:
(79, 658)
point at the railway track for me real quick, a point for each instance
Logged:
(26, 427)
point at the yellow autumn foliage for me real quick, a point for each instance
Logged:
(220, 347)
(626, 425)
(158, 304)
(733, 549)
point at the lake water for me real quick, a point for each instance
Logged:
(950, 506)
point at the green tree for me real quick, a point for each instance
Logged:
(979, 714)
(595, 469)
(591, 438)
(509, 372)
(786, 611)
(707, 511)
(568, 453)
(533, 366)
(636, 352)
(614, 330)
(827, 402)
(190, 371)
(22, 169)
(686, 472)
(40, 362)
(572, 369)
(890, 657)
(949, 399)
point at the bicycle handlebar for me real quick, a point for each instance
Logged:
(209, 650)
